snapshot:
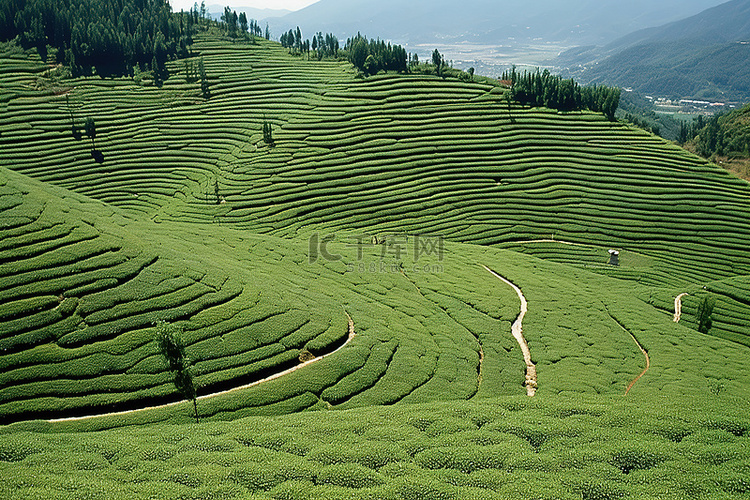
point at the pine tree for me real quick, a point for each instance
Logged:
(171, 347)
(705, 309)
(90, 129)
(438, 61)
(243, 23)
(267, 133)
(205, 90)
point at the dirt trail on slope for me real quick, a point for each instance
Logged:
(352, 334)
(648, 364)
(517, 329)
(678, 307)
(644, 351)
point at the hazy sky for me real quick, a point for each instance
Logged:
(258, 4)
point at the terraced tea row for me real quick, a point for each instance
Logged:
(389, 153)
(79, 337)
(385, 156)
(81, 295)
(564, 449)
(80, 298)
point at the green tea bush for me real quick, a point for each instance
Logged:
(710, 437)
(449, 426)
(536, 434)
(674, 430)
(159, 453)
(739, 427)
(86, 461)
(16, 448)
(591, 490)
(639, 456)
(373, 455)
(265, 476)
(421, 488)
(490, 479)
(735, 483)
(293, 490)
(349, 475)
(464, 459)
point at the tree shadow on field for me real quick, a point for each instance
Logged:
(97, 155)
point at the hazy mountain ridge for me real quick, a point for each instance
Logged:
(704, 56)
(485, 21)
(216, 10)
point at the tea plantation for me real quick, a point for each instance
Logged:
(331, 290)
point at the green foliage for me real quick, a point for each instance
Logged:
(552, 91)
(723, 134)
(16, 449)
(268, 133)
(349, 475)
(705, 309)
(168, 338)
(170, 345)
(112, 37)
(590, 490)
(637, 456)
(89, 128)
(205, 88)
(374, 56)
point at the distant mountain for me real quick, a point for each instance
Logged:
(489, 21)
(216, 10)
(704, 56)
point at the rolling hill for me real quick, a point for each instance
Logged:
(485, 21)
(704, 56)
(356, 295)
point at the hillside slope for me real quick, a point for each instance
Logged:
(437, 329)
(387, 154)
(704, 56)
(484, 21)
(408, 259)
(362, 160)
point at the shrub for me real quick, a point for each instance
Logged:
(592, 490)
(349, 476)
(370, 454)
(293, 490)
(464, 459)
(15, 449)
(269, 474)
(638, 457)
(421, 488)
(705, 309)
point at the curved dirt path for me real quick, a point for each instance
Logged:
(352, 334)
(517, 329)
(643, 350)
(648, 363)
(678, 307)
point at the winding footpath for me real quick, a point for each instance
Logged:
(643, 351)
(648, 363)
(352, 334)
(517, 330)
(678, 307)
